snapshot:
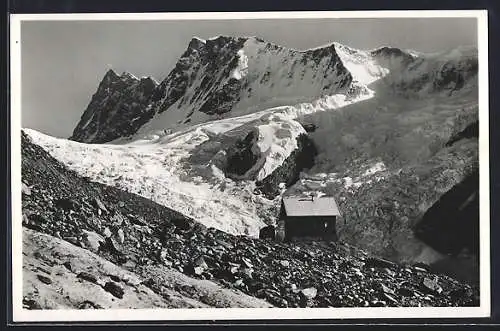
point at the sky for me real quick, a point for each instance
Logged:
(62, 62)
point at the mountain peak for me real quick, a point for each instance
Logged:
(110, 74)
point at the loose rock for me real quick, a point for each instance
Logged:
(115, 289)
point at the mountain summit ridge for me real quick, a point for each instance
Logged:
(205, 79)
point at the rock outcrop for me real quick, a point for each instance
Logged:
(119, 107)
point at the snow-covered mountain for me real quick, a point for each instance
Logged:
(238, 117)
(219, 78)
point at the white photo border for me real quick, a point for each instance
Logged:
(23, 315)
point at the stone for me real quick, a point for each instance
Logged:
(390, 298)
(136, 220)
(198, 270)
(285, 263)
(107, 232)
(358, 273)
(121, 236)
(31, 304)
(268, 232)
(92, 240)
(115, 278)
(87, 276)
(44, 279)
(379, 263)
(97, 203)
(378, 303)
(384, 289)
(431, 286)
(247, 273)
(115, 289)
(420, 266)
(224, 244)
(68, 265)
(309, 293)
(246, 262)
(25, 189)
(87, 304)
(389, 272)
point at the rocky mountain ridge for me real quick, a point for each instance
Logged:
(219, 77)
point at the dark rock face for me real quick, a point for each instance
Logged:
(212, 56)
(241, 158)
(471, 131)
(118, 109)
(452, 223)
(301, 158)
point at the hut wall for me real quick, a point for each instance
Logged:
(310, 227)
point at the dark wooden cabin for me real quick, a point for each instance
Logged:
(308, 218)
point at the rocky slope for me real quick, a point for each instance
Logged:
(118, 249)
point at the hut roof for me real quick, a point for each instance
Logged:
(310, 206)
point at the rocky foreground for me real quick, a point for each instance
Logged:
(88, 245)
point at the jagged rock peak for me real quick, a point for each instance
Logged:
(387, 50)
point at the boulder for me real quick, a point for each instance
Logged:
(115, 289)
(97, 203)
(267, 232)
(431, 285)
(309, 293)
(44, 279)
(67, 204)
(25, 189)
(92, 240)
(87, 304)
(379, 263)
(87, 276)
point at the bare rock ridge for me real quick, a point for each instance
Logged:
(117, 249)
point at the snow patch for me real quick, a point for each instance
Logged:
(242, 69)
(276, 140)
